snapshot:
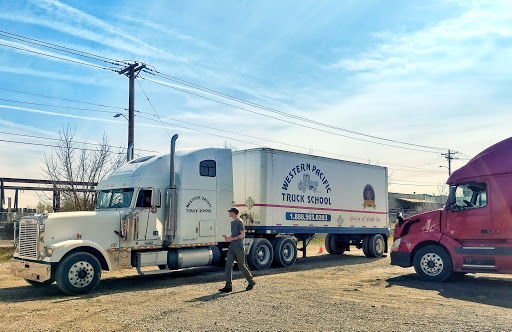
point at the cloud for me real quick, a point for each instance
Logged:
(453, 45)
(71, 21)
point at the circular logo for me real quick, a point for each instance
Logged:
(153, 209)
(368, 196)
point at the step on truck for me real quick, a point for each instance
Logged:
(168, 212)
(473, 232)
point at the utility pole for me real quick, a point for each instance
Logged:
(449, 157)
(132, 71)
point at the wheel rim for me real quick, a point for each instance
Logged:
(263, 255)
(431, 264)
(81, 274)
(287, 253)
(379, 246)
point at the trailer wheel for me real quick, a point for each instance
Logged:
(285, 251)
(261, 254)
(376, 245)
(328, 243)
(337, 247)
(366, 240)
(433, 263)
(78, 273)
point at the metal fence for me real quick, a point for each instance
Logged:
(8, 223)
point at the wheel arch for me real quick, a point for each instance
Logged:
(64, 249)
(425, 244)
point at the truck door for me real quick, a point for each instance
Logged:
(470, 216)
(143, 208)
(502, 207)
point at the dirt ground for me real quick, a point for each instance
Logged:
(321, 292)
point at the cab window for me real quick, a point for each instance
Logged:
(470, 196)
(207, 168)
(144, 198)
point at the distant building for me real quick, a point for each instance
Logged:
(411, 204)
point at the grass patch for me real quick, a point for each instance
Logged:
(6, 254)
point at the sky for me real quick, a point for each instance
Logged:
(435, 74)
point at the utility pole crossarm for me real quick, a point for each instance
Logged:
(450, 156)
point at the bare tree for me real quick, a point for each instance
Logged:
(229, 145)
(77, 162)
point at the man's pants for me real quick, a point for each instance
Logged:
(236, 252)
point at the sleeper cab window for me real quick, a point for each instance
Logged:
(208, 168)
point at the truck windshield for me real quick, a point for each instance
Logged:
(114, 198)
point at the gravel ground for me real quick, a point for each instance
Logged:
(322, 292)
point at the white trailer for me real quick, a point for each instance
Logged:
(282, 193)
(169, 211)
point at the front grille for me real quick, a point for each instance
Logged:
(28, 239)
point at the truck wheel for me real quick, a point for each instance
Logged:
(337, 247)
(376, 245)
(433, 263)
(285, 251)
(260, 255)
(41, 284)
(366, 240)
(328, 243)
(78, 273)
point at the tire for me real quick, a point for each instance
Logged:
(261, 254)
(433, 263)
(41, 284)
(376, 245)
(337, 247)
(366, 251)
(285, 251)
(328, 243)
(78, 273)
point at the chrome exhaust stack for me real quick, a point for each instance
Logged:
(172, 197)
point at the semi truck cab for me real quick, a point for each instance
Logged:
(473, 232)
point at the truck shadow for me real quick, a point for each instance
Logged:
(200, 276)
(486, 289)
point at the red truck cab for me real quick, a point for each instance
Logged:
(473, 232)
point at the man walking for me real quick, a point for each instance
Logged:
(236, 251)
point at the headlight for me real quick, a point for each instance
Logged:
(396, 244)
(48, 251)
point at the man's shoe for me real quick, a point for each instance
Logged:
(251, 285)
(225, 290)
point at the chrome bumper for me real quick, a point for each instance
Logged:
(31, 270)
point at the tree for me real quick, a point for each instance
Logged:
(42, 207)
(78, 162)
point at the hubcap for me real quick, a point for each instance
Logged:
(81, 274)
(431, 264)
(263, 254)
(379, 246)
(287, 252)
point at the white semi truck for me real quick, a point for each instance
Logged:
(169, 211)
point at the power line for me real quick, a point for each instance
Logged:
(66, 107)
(60, 58)
(154, 110)
(79, 142)
(220, 94)
(301, 147)
(195, 86)
(283, 120)
(61, 48)
(49, 145)
(65, 99)
(416, 169)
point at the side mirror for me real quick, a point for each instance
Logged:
(453, 208)
(156, 198)
(400, 218)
